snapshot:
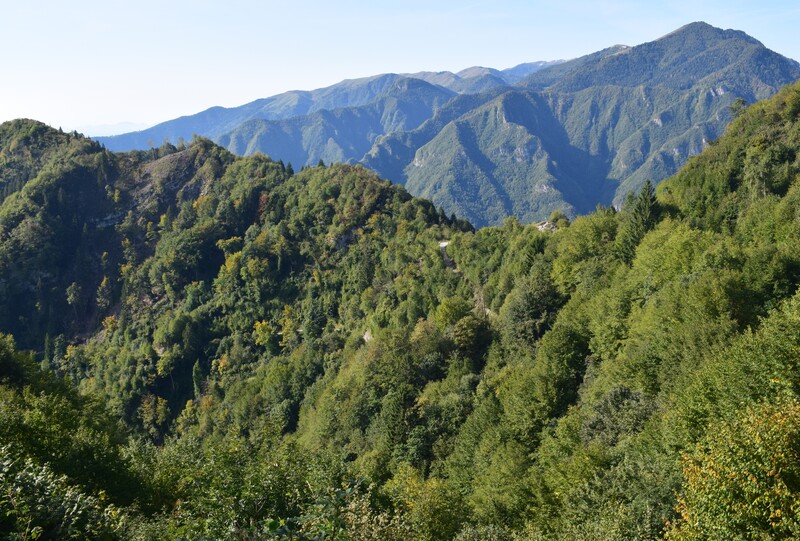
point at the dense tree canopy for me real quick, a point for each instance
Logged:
(222, 348)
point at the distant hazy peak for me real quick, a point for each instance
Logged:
(478, 71)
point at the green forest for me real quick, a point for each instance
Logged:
(203, 346)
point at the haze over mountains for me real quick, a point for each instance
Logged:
(486, 144)
(218, 121)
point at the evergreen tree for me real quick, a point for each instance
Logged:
(639, 216)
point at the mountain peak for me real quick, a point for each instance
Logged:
(677, 60)
(693, 27)
(703, 30)
(405, 85)
(478, 71)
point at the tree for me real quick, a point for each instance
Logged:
(38, 503)
(74, 295)
(641, 216)
(104, 294)
(450, 311)
(645, 207)
(737, 107)
(197, 379)
(744, 480)
(558, 219)
(530, 309)
(471, 336)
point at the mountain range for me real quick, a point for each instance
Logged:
(218, 121)
(486, 144)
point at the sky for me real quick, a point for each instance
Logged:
(90, 64)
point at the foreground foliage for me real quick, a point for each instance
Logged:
(227, 349)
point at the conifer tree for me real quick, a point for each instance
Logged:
(641, 215)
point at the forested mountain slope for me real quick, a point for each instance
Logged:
(586, 131)
(320, 354)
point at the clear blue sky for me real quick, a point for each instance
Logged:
(82, 63)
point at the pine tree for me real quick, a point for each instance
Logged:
(640, 216)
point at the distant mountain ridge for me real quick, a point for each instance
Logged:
(477, 78)
(339, 135)
(486, 144)
(218, 121)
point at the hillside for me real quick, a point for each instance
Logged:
(291, 356)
